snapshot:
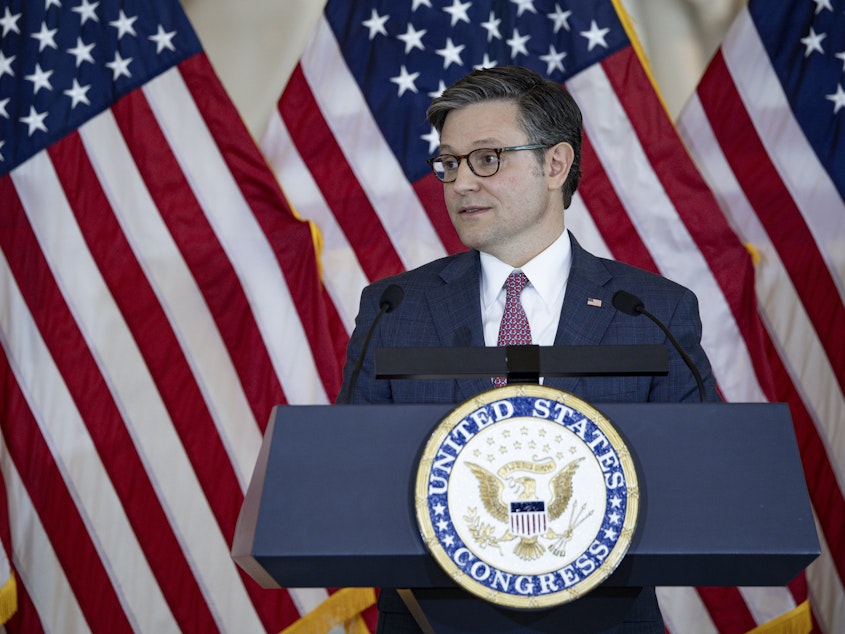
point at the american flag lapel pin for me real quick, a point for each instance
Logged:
(592, 301)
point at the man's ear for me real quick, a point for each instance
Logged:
(559, 160)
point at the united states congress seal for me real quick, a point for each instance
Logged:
(526, 496)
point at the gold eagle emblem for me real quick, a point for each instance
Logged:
(528, 503)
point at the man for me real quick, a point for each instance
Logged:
(510, 152)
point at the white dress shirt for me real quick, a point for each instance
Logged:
(542, 299)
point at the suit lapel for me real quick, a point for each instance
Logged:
(587, 307)
(457, 313)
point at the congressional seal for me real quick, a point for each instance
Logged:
(526, 496)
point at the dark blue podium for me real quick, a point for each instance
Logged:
(723, 503)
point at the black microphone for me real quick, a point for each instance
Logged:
(390, 299)
(632, 305)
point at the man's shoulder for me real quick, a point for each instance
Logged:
(623, 273)
(618, 274)
(435, 272)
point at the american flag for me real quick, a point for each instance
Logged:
(157, 298)
(349, 143)
(767, 128)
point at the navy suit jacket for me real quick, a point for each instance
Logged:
(441, 307)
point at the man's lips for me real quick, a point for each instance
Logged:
(473, 209)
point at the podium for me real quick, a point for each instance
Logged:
(723, 503)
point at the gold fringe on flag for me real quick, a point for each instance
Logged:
(343, 607)
(8, 599)
(316, 234)
(797, 621)
(631, 32)
(317, 239)
(754, 253)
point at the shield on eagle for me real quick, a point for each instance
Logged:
(528, 518)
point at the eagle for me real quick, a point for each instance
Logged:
(491, 487)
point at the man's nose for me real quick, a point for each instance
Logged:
(465, 178)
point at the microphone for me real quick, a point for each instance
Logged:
(632, 305)
(391, 297)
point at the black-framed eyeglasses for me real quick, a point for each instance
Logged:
(484, 161)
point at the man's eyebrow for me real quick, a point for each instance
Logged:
(481, 143)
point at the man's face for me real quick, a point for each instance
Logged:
(516, 213)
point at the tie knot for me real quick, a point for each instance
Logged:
(516, 281)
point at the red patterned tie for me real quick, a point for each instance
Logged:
(514, 329)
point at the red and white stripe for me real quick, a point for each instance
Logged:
(641, 200)
(740, 129)
(154, 288)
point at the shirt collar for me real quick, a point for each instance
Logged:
(547, 272)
